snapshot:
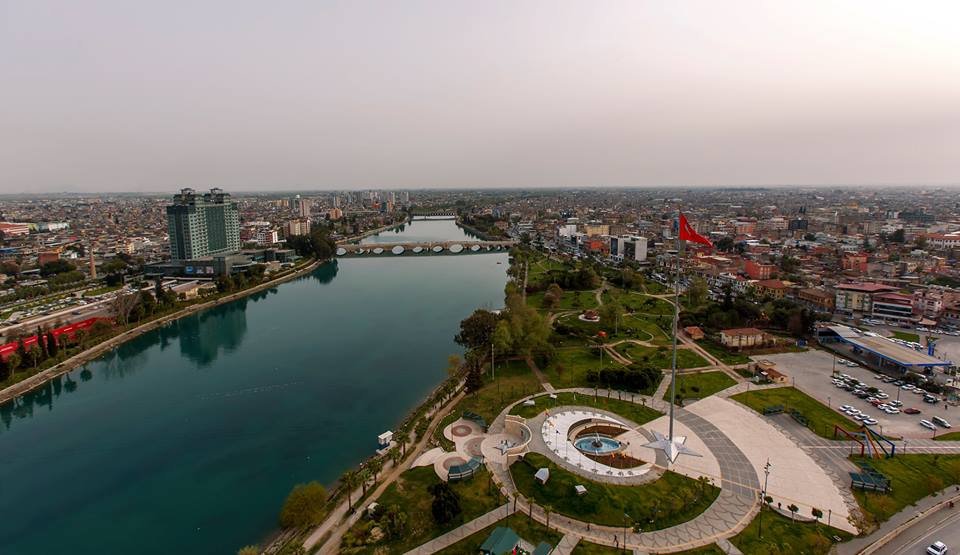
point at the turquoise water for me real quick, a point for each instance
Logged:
(420, 231)
(589, 444)
(187, 439)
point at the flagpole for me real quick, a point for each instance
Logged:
(676, 317)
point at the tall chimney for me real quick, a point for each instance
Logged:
(93, 266)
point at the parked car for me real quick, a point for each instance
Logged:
(911, 410)
(928, 425)
(940, 422)
(870, 421)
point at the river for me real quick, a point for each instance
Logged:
(188, 438)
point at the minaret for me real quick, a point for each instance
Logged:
(93, 266)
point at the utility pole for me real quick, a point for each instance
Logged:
(763, 498)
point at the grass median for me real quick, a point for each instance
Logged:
(821, 419)
(637, 413)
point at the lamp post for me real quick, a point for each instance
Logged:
(763, 497)
(625, 517)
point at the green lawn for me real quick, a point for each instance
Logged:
(654, 288)
(666, 502)
(700, 385)
(722, 354)
(639, 302)
(638, 413)
(912, 478)
(514, 381)
(656, 327)
(783, 536)
(587, 548)
(410, 493)
(821, 418)
(661, 357)
(949, 436)
(907, 336)
(526, 528)
(569, 366)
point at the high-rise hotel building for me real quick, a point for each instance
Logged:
(203, 225)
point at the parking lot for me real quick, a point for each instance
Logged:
(811, 372)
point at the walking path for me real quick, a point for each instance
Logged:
(335, 525)
(461, 532)
(540, 377)
(567, 544)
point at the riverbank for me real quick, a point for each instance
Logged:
(32, 382)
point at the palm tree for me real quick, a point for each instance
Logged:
(350, 479)
(548, 509)
(793, 510)
(364, 476)
(375, 465)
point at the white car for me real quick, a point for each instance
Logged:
(892, 410)
(928, 425)
(878, 376)
(842, 361)
(882, 395)
(937, 548)
(870, 421)
(845, 408)
(906, 387)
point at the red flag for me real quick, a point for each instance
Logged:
(602, 333)
(687, 233)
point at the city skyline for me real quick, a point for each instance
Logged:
(110, 97)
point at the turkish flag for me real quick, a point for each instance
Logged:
(687, 233)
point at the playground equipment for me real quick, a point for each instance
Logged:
(872, 443)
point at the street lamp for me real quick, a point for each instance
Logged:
(625, 517)
(763, 497)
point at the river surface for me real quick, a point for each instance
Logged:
(188, 438)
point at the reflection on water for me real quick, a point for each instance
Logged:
(202, 338)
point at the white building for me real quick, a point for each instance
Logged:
(628, 247)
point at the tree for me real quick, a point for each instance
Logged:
(52, 347)
(610, 313)
(55, 267)
(817, 513)
(697, 292)
(9, 268)
(453, 365)
(394, 521)
(793, 511)
(502, 340)
(446, 503)
(249, 550)
(303, 506)
(122, 305)
(899, 236)
(350, 480)
(13, 362)
(548, 509)
(474, 381)
(476, 330)
(35, 353)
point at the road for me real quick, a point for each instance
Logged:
(944, 526)
(65, 316)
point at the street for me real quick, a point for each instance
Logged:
(944, 526)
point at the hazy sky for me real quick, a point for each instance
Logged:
(123, 95)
